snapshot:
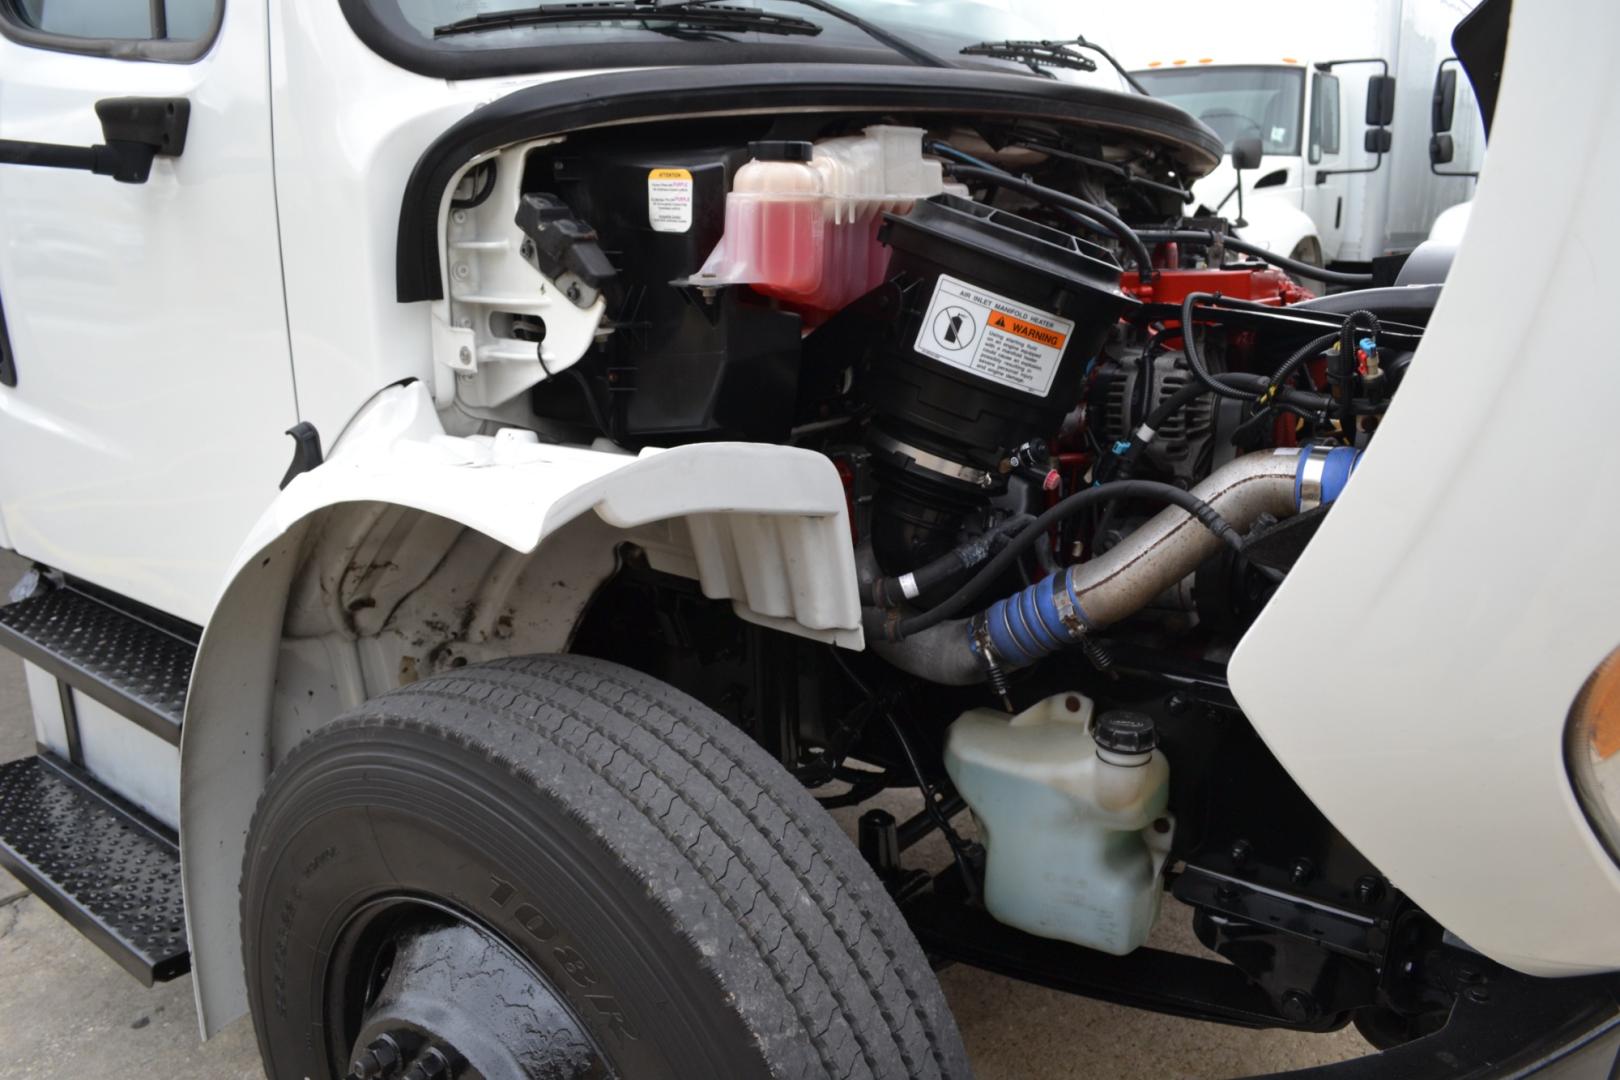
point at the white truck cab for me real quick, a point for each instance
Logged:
(1342, 113)
(496, 476)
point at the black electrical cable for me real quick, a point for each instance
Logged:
(1052, 197)
(958, 601)
(1342, 373)
(1303, 353)
(965, 158)
(1293, 266)
(1189, 346)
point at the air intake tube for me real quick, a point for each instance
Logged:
(1058, 611)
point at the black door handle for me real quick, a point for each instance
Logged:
(137, 129)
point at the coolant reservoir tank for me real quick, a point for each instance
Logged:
(1073, 815)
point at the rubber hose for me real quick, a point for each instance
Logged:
(958, 601)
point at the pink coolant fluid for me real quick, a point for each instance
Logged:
(802, 220)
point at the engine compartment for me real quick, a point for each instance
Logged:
(1081, 444)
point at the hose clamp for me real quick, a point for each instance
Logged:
(1068, 614)
(950, 470)
(1312, 468)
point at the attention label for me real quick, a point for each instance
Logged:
(669, 200)
(993, 337)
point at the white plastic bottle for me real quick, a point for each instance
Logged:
(1075, 829)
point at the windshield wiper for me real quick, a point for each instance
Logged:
(1039, 55)
(1035, 55)
(712, 16)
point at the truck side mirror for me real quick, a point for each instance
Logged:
(1380, 100)
(1442, 148)
(1246, 151)
(1377, 141)
(1443, 107)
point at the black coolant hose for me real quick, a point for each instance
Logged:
(1293, 266)
(895, 589)
(1062, 200)
(1233, 385)
(959, 600)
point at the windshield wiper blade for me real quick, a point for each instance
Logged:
(1037, 55)
(713, 16)
(1049, 54)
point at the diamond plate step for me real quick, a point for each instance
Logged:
(134, 667)
(97, 862)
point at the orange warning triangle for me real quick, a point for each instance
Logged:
(1000, 321)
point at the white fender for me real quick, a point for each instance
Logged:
(409, 551)
(1274, 222)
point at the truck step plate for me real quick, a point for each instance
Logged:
(132, 666)
(96, 862)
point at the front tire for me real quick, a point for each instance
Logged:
(625, 873)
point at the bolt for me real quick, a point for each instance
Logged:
(573, 294)
(1369, 889)
(1301, 871)
(1477, 994)
(1240, 853)
(459, 217)
(1298, 1007)
(1227, 894)
(1178, 704)
(527, 249)
(465, 355)
(463, 271)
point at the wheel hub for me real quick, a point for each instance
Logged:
(446, 1000)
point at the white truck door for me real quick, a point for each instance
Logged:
(144, 433)
(1324, 153)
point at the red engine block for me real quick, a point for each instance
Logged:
(1263, 285)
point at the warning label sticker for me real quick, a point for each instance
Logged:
(669, 200)
(993, 337)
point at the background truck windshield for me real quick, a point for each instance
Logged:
(1236, 101)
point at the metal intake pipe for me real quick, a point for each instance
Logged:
(1056, 612)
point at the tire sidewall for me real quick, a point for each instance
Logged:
(353, 817)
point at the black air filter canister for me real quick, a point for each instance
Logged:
(1000, 316)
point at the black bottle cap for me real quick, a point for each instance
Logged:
(777, 150)
(1125, 732)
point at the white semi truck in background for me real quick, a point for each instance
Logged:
(1336, 183)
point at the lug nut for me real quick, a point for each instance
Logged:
(432, 1065)
(380, 1060)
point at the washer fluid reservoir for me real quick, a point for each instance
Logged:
(1073, 815)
